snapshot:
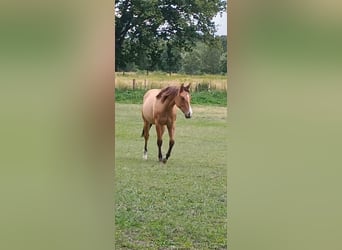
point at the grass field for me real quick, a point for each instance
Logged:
(215, 97)
(178, 205)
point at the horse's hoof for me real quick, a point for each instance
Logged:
(164, 160)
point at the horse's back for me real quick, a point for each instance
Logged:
(148, 103)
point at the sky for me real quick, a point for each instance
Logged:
(221, 24)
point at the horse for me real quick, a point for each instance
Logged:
(160, 108)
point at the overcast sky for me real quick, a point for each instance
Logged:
(221, 24)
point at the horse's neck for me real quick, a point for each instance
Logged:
(169, 104)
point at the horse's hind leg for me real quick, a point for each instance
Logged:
(146, 135)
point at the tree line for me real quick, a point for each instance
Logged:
(170, 36)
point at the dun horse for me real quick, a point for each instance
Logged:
(160, 108)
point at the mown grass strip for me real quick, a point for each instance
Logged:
(178, 205)
(213, 98)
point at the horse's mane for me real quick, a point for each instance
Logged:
(171, 91)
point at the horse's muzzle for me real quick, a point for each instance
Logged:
(189, 113)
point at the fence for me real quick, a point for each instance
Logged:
(195, 87)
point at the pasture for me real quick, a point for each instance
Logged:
(178, 205)
(217, 98)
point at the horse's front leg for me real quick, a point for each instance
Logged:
(160, 132)
(171, 130)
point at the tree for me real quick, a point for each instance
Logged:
(206, 58)
(223, 40)
(171, 58)
(223, 63)
(211, 57)
(149, 58)
(141, 24)
(192, 61)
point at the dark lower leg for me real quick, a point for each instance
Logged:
(145, 148)
(146, 135)
(171, 143)
(159, 143)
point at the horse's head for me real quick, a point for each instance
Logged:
(183, 100)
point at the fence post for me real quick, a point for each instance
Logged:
(133, 84)
(145, 84)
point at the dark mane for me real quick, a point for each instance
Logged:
(171, 91)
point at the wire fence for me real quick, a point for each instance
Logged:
(195, 87)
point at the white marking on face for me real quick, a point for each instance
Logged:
(190, 109)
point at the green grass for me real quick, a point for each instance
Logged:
(180, 204)
(215, 97)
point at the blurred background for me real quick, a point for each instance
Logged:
(284, 61)
(56, 124)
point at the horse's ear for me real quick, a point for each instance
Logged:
(181, 88)
(187, 87)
